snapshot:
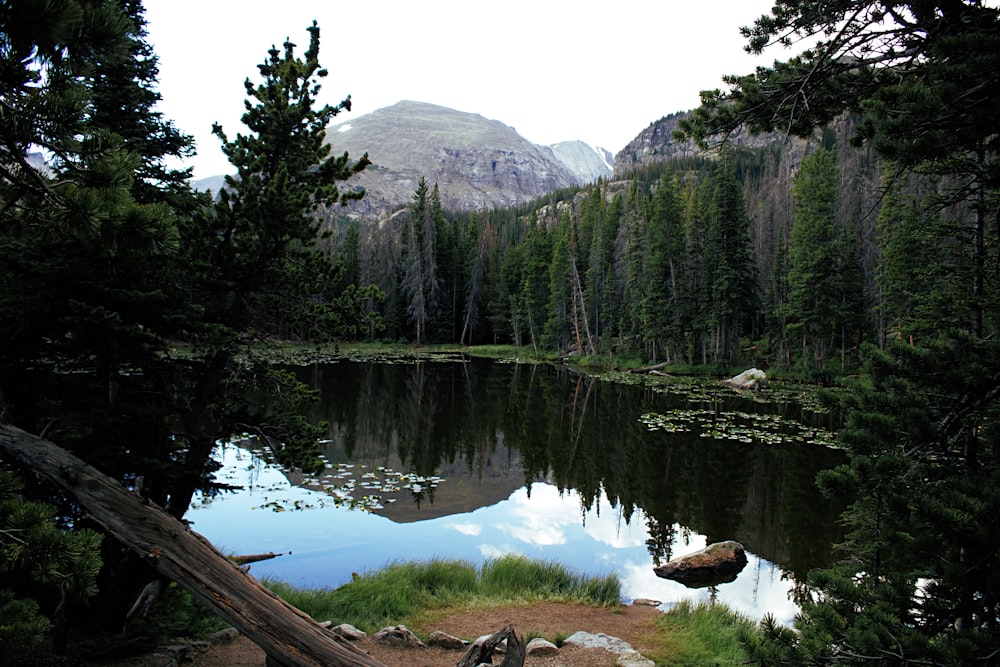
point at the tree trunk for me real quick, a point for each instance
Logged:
(282, 631)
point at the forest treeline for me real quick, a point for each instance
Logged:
(788, 255)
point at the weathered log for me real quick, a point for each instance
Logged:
(253, 558)
(650, 369)
(284, 633)
(482, 651)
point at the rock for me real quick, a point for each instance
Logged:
(444, 640)
(348, 632)
(541, 648)
(626, 656)
(399, 635)
(176, 653)
(717, 563)
(752, 379)
(646, 602)
(224, 636)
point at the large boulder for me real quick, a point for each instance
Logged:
(752, 379)
(717, 563)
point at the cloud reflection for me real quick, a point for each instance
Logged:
(472, 529)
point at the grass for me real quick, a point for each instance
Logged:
(416, 593)
(700, 634)
(409, 592)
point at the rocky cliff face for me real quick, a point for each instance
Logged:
(477, 163)
(657, 144)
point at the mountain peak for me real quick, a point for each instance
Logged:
(477, 162)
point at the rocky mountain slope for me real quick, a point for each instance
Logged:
(657, 144)
(587, 162)
(476, 162)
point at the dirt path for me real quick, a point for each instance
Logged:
(633, 624)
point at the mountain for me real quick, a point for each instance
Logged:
(657, 144)
(212, 183)
(476, 162)
(587, 162)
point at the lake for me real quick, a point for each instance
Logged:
(472, 459)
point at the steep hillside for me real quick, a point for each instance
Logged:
(477, 163)
(657, 144)
(588, 163)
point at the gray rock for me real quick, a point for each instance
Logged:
(752, 379)
(718, 563)
(626, 656)
(348, 632)
(444, 640)
(399, 635)
(541, 648)
(224, 636)
(646, 602)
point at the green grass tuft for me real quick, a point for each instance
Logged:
(701, 634)
(401, 592)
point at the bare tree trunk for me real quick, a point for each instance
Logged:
(578, 294)
(169, 546)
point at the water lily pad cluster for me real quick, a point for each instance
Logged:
(354, 486)
(359, 487)
(740, 426)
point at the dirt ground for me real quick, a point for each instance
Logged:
(633, 624)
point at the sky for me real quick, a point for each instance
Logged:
(554, 70)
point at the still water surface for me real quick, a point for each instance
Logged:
(474, 459)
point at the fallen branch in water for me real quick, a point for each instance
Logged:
(253, 558)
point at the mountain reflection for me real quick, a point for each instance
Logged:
(489, 429)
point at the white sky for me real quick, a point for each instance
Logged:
(555, 70)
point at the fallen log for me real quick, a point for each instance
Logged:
(286, 635)
(650, 369)
(253, 558)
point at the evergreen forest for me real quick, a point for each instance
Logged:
(861, 241)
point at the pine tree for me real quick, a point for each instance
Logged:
(123, 99)
(664, 319)
(918, 585)
(924, 85)
(532, 295)
(728, 266)
(631, 250)
(420, 283)
(814, 294)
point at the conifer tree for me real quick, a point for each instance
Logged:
(285, 173)
(663, 317)
(533, 286)
(814, 296)
(728, 269)
(918, 584)
(123, 100)
(599, 274)
(420, 282)
(558, 324)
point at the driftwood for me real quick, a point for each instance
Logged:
(286, 635)
(253, 558)
(651, 369)
(482, 651)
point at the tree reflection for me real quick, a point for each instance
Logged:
(492, 421)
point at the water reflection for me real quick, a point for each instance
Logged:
(538, 461)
